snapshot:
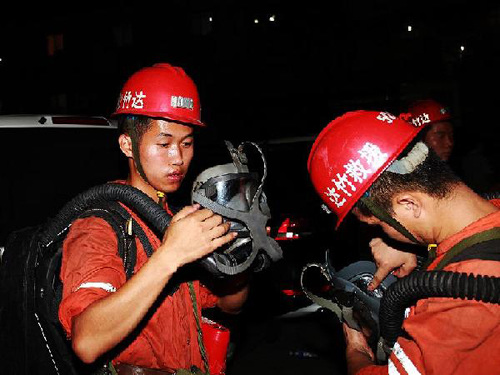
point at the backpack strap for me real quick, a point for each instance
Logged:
(126, 229)
(117, 220)
(484, 245)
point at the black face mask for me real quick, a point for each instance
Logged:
(235, 193)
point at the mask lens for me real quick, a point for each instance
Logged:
(235, 191)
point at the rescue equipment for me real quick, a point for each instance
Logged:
(345, 293)
(234, 192)
(438, 283)
(161, 91)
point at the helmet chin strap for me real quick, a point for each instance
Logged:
(135, 153)
(383, 215)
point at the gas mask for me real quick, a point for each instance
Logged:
(346, 294)
(235, 193)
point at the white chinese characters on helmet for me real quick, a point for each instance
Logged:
(355, 173)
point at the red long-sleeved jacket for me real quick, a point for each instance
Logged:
(91, 269)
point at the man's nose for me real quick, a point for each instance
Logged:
(175, 155)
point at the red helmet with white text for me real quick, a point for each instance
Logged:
(162, 91)
(428, 111)
(351, 152)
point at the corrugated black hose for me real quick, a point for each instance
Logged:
(426, 284)
(143, 205)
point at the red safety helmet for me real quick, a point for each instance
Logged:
(163, 91)
(351, 152)
(425, 112)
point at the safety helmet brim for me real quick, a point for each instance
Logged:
(162, 116)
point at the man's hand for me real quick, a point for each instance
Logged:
(389, 260)
(194, 233)
(358, 352)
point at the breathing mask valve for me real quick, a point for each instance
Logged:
(236, 194)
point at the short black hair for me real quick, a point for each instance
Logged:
(433, 177)
(134, 125)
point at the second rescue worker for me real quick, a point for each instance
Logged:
(373, 164)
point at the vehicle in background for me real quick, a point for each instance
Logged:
(49, 159)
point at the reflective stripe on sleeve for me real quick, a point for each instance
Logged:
(407, 312)
(406, 362)
(106, 286)
(392, 368)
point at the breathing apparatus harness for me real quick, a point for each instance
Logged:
(235, 193)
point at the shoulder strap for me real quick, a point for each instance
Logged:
(126, 228)
(126, 244)
(484, 245)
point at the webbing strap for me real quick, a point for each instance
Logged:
(467, 243)
(135, 151)
(203, 352)
(381, 214)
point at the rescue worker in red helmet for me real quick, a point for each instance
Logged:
(373, 164)
(103, 313)
(437, 131)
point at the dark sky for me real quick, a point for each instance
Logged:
(261, 80)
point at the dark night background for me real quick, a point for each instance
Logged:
(273, 82)
(265, 81)
(257, 80)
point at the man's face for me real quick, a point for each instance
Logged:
(440, 139)
(166, 150)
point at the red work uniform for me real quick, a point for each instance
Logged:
(92, 269)
(451, 336)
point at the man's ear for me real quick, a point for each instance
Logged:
(408, 204)
(126, 145)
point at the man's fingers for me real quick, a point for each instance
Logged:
(212, 221)
(219, 230)
(222, 240)
(203, 214)
(375, 241)
(188, 210)
(405, 269)
(378, 277)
